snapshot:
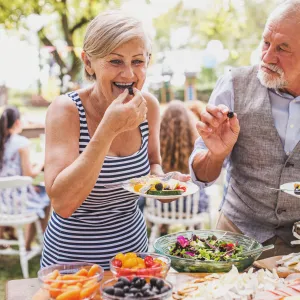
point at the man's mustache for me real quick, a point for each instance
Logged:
(272, 67)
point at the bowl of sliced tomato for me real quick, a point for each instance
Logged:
(133, 264)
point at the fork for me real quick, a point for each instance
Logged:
(167, 177)
(276, 189)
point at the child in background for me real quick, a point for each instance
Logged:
(15, 161)
(177, 136)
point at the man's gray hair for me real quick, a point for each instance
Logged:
(287, 8)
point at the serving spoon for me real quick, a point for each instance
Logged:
(256, 251)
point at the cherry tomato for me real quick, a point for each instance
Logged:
(148, 260)
(117, 263)
(181, 187)
(120, 256)
(130, 263)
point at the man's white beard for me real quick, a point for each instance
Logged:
(271, 81)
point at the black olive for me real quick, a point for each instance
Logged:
(230, 114)
(125, 280)
(143, 281)
(138, 284)
(159, 283)
(153, 281)
(134, 290)
(146, 287)
(119, 284)
(135, 279)
(139, 295)
(159, 187)
(109, 290)
(119, 292)
(126, 289)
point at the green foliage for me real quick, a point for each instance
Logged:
(14, 270)
(68, 21)
(238, 27)
(164, 23)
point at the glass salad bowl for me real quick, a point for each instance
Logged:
(163, 244)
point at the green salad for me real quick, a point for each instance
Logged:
(206, 249)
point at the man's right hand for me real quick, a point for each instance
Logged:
(218, 132)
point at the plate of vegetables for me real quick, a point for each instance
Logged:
(156, 187)
(291, 188)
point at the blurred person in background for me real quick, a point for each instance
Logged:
(15, 161)
(177, 137)
(261, 140)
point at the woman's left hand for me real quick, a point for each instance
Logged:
(181, 177)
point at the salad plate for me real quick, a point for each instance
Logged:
(290, 188)
(190, 188)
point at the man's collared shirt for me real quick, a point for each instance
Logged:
(285, 111)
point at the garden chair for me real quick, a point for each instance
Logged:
(13, 198)
(185, 214)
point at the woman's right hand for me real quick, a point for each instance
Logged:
(218, 132)
(122, 115)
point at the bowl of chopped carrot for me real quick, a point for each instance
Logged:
(70, 281)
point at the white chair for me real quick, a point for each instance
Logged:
(187, 214)
(13, 198)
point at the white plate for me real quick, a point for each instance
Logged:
(191, 188)
(289, 188)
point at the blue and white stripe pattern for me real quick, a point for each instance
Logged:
(109, 220)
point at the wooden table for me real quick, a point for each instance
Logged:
(29, 289)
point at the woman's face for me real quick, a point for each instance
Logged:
(125, 66)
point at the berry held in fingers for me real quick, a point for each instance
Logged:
(130, 90)
(230, 114)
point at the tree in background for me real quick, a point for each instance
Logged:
(238, 25)
(70, 18)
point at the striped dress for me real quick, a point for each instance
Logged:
(109, 220)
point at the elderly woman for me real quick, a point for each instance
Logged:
(97, 137)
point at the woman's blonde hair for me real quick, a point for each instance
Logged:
(111, 29)
(176, 137)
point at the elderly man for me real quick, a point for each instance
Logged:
(261, 141)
